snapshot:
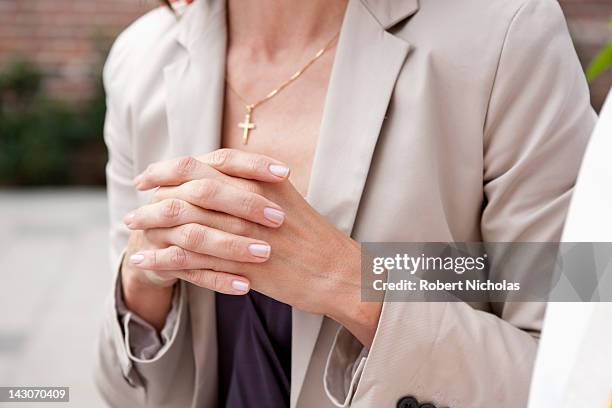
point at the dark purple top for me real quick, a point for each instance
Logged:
(254, 342)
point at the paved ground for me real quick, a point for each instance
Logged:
(54, 277)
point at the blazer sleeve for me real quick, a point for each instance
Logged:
(123, 379)
(449, 354)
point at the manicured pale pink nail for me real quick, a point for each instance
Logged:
(274, 215)
(279, 170)
(260, 250)
(137, 258)
(240, 286)
(128, 219)
(138, 179)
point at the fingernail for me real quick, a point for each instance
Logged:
(260, 250)
(279, 170)
(128, 219)
(240, 286)
(274, 215)
(138, 179)
(137, 258)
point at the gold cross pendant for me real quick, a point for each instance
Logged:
(246, 126)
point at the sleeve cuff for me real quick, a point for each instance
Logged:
(143, 343)
(353, 370)
(344, 367)
(155, 380)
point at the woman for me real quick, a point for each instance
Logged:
(405, 121)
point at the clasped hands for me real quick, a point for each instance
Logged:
(230, 221)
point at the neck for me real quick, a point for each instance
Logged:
(271, 26)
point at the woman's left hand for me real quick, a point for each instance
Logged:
(313, 266)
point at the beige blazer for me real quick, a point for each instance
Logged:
(445, 120)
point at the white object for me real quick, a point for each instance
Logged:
(574, 362)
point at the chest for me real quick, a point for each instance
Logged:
(390, 133)
(284, 127)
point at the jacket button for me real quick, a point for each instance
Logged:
(407, 402)
(427, 405)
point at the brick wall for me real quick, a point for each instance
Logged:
(67, 37)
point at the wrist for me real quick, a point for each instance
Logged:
(149, 301)
(344, 301)
(360, 318)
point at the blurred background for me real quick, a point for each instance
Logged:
(54, 274)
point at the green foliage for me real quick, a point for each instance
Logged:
(22, 79)
(601, 62)
(46, 142)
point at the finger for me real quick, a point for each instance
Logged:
(227, 161)
(170, 212)
(176, 258)
(173, 212)
(221, 282)
(173, 172)
(218, 196)
(209, 241)
(247, 165)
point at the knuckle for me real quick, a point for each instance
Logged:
(204, 278)
(248, 203)
(211, 280)
(253, 163)
(205, 189)
(178, 257)
(194, 276)
(220, 157)
(259, 163)
(185, 165)
(172, 208)
(215, 280)
(232, 246)
(153, 260)
(193, 236)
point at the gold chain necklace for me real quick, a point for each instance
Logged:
(247, 125)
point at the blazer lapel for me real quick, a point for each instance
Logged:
(367, 63)
(195, 86)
